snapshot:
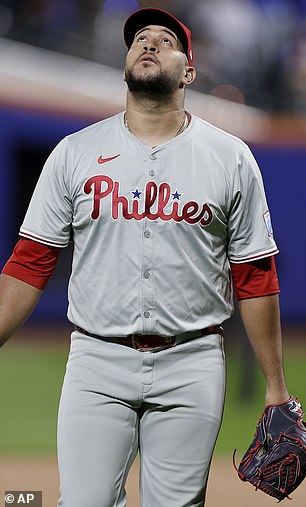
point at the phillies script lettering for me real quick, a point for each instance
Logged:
(156, 196)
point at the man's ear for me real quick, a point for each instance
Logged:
(190, 75)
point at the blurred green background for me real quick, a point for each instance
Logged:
(32, 370)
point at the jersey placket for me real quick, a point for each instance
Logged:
(148, 264)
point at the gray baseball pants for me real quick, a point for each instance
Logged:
(117, 401)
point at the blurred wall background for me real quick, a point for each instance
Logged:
(248, 50)
(61, 69)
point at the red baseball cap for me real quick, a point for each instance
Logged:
(151, 16)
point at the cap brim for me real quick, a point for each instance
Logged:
(151, 16)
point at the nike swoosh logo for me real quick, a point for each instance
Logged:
(102, 160)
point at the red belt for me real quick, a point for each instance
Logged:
(152, 342)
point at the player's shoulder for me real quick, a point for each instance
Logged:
(217, 136)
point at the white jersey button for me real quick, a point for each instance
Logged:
(146, 315)
(151, 172)
(147, 274)
(147, 234)
(153, 156)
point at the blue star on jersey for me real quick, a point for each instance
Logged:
(176, 195)
(136, 194)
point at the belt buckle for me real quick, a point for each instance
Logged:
(135, 345)
(169, 341)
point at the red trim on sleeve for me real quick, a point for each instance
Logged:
(32, 262)
(255, 279)
(27, 235)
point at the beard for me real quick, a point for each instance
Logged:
(158, 85)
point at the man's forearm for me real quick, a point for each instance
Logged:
(17, 301)
(261, 319)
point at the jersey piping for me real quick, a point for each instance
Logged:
(44, 241)
(251, 258)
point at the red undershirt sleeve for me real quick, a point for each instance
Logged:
(32, 262)
(255, 279)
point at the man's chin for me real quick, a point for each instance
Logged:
(146, 73)
(150, 82)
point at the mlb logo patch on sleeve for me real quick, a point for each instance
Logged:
(268, 222)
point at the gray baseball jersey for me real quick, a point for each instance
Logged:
(154, 229)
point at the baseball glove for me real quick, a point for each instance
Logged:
(275, 462)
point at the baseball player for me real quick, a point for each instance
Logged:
(166, 213)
